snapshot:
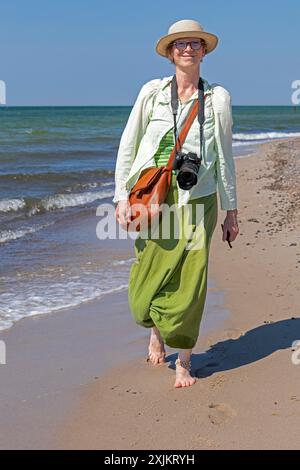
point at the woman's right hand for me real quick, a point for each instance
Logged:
(123, 212)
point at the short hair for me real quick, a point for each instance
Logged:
(169, 47)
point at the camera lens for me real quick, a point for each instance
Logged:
(188, 174)
(186, 179)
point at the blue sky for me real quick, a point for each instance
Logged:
(96, 52)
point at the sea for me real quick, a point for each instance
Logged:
(56, 167)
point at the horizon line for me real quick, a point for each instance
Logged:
(111, 105)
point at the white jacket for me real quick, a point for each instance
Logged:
(151, 117)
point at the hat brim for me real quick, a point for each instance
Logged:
(210, 39)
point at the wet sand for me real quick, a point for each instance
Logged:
(51, 358)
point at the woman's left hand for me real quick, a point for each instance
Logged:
(231, 225)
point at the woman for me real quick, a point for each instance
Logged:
(168, 282)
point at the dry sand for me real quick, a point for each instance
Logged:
(248, 391)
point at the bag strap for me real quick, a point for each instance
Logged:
(183, 133)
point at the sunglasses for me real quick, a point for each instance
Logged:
(182, 45)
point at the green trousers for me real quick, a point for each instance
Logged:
(168, 281)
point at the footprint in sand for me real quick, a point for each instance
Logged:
(220, 413)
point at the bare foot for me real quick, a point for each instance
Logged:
(157, 351)
(183, 377)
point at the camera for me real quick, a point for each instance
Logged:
(188, 166)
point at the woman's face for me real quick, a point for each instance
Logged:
(187, 58)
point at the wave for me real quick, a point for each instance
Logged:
(55, 175)
(59, 201)
(12, 152)
(41, 132)
(12, 205)
(123, 262)
(249, 143)
(9, 235)
(264, 136)
(67, 133)
(74, 294)
(94, 185)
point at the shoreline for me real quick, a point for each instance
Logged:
(46, 305)
(51, 358)
(232, 360)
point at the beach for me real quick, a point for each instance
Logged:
(79, 379)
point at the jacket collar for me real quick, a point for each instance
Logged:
(165, 89)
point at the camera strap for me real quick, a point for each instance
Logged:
(174, 104)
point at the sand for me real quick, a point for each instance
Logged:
(248, 391)
(247, 395)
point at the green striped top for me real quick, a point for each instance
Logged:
(164, 150)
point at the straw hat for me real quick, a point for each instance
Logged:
(186, 28)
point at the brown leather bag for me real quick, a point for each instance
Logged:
(153, 185)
